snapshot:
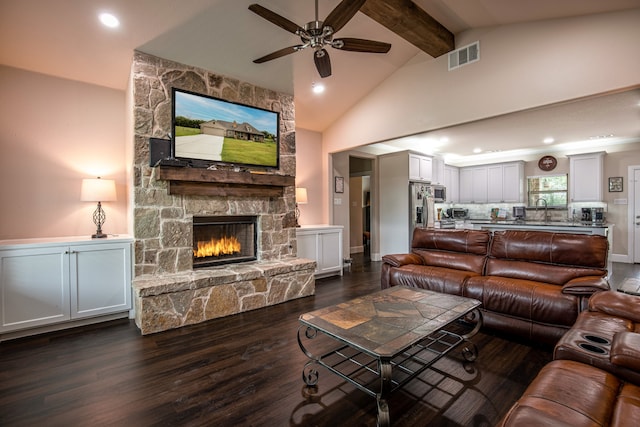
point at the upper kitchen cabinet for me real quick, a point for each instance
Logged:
(585, 177)
(505, 182)
(420, 167)
(473, 184)
(437, 171)
(452, 183)
(496, 183)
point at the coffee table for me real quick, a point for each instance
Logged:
(388, 337)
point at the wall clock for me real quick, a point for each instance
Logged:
(547, 163)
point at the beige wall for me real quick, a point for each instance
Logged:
(309, 175)
(55, 132)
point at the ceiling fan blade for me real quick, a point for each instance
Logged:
(361, 45)
(323, 63)
(274, 18)
(343, 13)
(277, 54)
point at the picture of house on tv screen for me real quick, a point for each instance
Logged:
(214, 130)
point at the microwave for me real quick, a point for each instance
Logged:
(439, 193)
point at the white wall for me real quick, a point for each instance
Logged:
(55, 132)
(521, 66)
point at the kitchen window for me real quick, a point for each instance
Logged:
(552, 188)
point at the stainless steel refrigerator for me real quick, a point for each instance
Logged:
(421, 206)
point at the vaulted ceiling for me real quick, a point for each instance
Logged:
(63, 38)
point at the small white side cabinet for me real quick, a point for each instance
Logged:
(54, 281)
(323, 244)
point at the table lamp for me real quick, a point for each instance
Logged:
(98, 190)
(301, 198)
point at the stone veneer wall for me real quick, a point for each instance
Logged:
(167, 292)
(162, 222)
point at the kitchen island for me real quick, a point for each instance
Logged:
(554, 226)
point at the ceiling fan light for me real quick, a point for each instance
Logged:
(317, 88)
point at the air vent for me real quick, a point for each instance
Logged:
(465, 55)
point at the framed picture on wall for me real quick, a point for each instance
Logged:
(339, 184)
(615, 184)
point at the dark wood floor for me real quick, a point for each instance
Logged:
(243, 370)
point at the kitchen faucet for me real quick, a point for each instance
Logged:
(546, 216)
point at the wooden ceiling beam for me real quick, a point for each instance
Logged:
(413, 24)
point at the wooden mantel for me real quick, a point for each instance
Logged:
(206, 182)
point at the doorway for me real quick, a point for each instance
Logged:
(360, 171)
(634, 211)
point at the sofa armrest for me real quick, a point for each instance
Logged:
(585, 285)
(625, 350)
(398, 260)
(616, 304)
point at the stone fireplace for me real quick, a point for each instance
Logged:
(168, 291)
(219, 240)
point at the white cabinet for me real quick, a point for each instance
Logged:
(45, 283)
(496, 183)
(438, 175)
(473, 184)
(323, 244)
(585, 177)
(420, 167)
(505, 182)
(452, 183)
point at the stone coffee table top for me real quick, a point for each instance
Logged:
(386, 322)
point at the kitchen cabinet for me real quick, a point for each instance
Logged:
(452, 183)
(323, 244)
(63, 280)
(420, 167)
(586, 177)
(473, 184)
(437, 170)
(495, 183)
(505, 182)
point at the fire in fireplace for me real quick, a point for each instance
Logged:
(223, 240)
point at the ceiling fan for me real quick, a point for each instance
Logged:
(318, 34)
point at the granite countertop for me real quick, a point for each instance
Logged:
(538, 223)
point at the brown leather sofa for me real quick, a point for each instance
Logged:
(532, 284)
(595, 377)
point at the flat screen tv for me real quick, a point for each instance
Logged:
(208, 131)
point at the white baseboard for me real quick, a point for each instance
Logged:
(621, 258)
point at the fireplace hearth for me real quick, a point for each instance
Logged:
(219, 240)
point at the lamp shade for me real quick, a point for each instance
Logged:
(98, 190)
(301, 195)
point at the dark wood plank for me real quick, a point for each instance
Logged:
(412, 23)
(222, 190)
(223, 176)
(242, 370)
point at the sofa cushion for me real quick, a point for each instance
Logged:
(525, 299)
(439, 279)
(566, 393)
(548, 273)
(453, 260)
(463, 241)
(627, 409)
(578, 250)
(616, 304)
(625, 350)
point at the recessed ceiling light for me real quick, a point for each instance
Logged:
(548, 140)
(477, 150)
(317, 87)
(109, 20)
